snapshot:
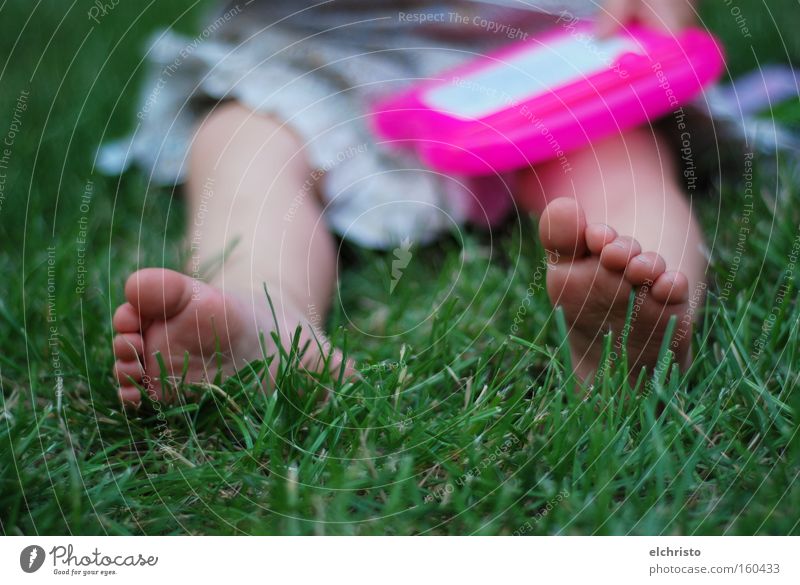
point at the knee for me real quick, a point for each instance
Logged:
(219, 126)
(232, 129)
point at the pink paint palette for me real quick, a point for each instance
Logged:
(541, 98)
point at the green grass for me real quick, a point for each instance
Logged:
(460, 427)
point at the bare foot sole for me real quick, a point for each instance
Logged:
(592, 274)
(196, 324)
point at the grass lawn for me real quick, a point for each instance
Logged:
(460, 427)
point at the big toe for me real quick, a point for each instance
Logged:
(158, 293)
(562, 228)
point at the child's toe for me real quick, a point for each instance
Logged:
(128, 372)
(617, 254)
(130, 395)
(671, 288)
(126, 319)
(645, 268)
(598, 236)
(562, 228)
(158, 293)
(128, 347)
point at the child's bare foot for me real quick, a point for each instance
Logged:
(592, 273)
(169, 313)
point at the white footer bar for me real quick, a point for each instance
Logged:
(390, 560)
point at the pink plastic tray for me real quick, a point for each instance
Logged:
(541, 98)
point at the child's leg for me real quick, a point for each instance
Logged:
(247, 188)
(620, 198)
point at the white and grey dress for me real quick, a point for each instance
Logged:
(317, 65)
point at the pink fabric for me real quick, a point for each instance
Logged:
(491, 199)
